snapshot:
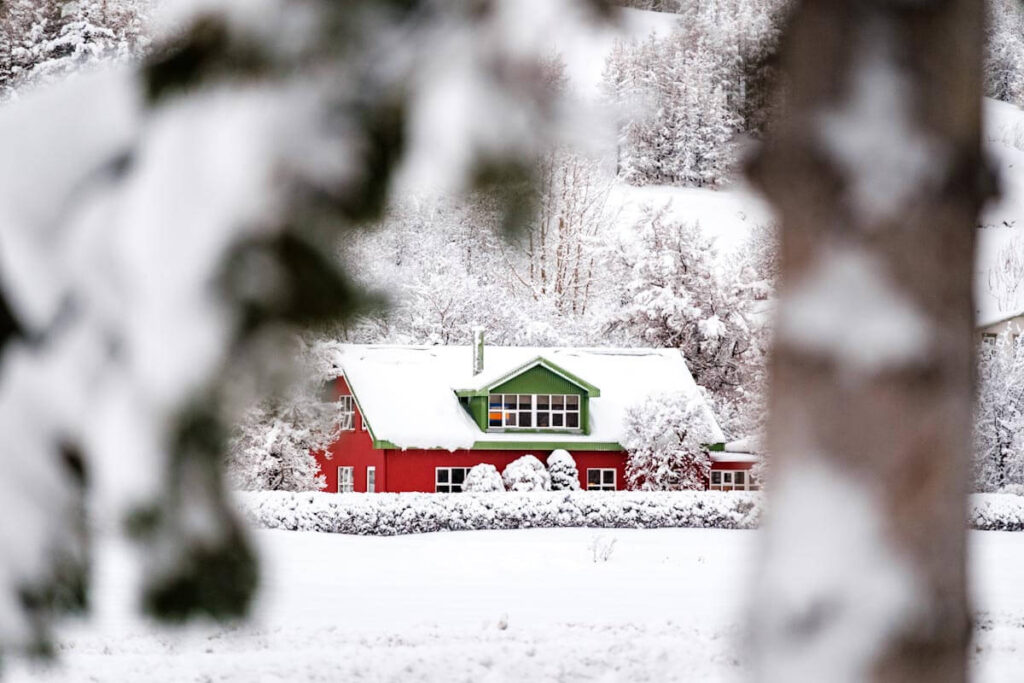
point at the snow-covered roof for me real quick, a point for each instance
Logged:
(407, 394)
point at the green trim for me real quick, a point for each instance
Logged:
(592, 390)
(718, 447)
(547, 445)
(517, 445)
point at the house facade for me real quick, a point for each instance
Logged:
(418, 418)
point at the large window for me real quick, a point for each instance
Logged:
(347, 417)
(346, 479)
(733, 480)
(449, 479)
(600, 479)
(533, 411)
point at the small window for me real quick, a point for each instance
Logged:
(600, 479)
(346, 476)
(732, 480)
(371, 479)
(572, 420)
(449, 479)
(347, 415)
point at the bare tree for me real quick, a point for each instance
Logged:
(875, 168)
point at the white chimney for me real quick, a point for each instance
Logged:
(478, 350)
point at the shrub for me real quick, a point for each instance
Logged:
(483, 478)
(564, 474)
(526, 473)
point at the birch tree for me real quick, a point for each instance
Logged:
(875, 169)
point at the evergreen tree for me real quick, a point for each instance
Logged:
(564, 474)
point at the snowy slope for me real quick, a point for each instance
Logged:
(728, 216)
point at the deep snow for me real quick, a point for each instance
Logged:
(667, 605)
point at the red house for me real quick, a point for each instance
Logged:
(418, 418)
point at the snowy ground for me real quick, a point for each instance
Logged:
(493, 606)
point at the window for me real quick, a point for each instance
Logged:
(733, 480)
(346, 477)
(600, 479)
(371, 479)
(347, 418)
(449, 479)
(363, 425)
(529, 411)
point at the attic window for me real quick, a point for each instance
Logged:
(533, 411)
(346, 413)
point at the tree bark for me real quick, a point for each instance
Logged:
(876, 172)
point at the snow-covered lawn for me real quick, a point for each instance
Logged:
(529, 605)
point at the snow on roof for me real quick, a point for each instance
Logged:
(407, 393)
(748, 444)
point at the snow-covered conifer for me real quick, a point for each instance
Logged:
(526, 473)
(562, 468)
(666, 437)
(483, 478)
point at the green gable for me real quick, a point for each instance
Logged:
(536, 377)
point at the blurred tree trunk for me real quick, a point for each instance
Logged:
(876, 172)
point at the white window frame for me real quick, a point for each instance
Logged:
(346, 483)
(347, 413)
(534, 412)
(727, 481)
(448, 479)
(371, 479)
(603, 485)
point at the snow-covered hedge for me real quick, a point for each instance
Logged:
(390, 514)
(997, 512)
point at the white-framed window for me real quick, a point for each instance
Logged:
(533, 411)
(600, 479)
(347, 413)
(449, 479)
(346, 479)
(733, 480)
(371, 479)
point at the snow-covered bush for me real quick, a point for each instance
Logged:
(666, 436)
(562, 468)
(391, 514)
(483, 478)
(526, 473)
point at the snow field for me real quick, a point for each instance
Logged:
(490, 606)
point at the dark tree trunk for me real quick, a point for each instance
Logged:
(875, 170)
